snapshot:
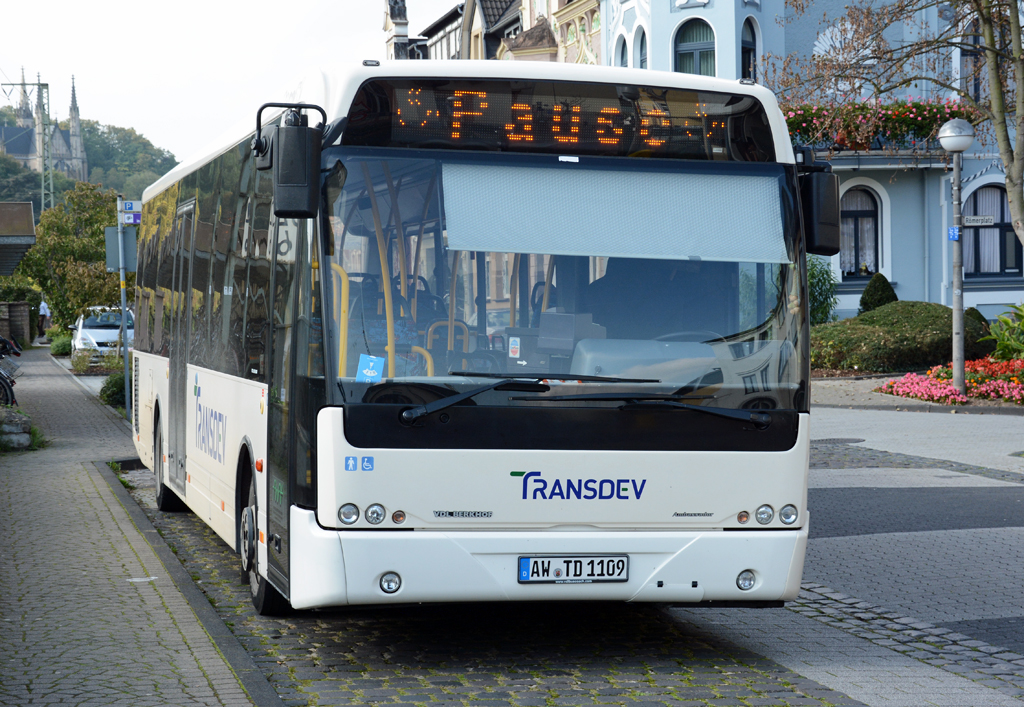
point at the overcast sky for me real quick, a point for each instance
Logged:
(173, 70)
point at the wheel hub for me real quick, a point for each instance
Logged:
(248, 539)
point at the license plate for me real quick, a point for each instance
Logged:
(573, 569)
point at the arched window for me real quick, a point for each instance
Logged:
(990, 250)
(643, 50)
(623, 53)
(858, 250)
(748, 52)
(695, 48)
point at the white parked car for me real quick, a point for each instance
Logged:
(99, 330)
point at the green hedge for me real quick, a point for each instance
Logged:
(112, 392)
(900, 336)
(61, 346)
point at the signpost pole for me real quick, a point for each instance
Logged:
(958, 283)
(124, 306)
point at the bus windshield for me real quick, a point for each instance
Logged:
(679, 274)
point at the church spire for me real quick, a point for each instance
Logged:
(25, 119)
(79, 169)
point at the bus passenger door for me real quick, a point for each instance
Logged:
(178, 351)
(280, 423)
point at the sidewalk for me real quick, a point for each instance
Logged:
(88, 612)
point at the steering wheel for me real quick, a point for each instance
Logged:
(701, 335)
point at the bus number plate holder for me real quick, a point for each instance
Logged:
(573, 569)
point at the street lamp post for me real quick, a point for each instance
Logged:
(956, 136)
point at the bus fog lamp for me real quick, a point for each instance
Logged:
(745, 580)
(375, 514)
(788, 514)
(765, 514)
(742, 517)
(398, 516)
(348, 514)
(390, 582)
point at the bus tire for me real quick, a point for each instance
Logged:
(166, 499)
(265, 598)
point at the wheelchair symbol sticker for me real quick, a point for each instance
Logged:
(367, 463)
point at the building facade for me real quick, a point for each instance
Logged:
(24, 141)
(896, 204)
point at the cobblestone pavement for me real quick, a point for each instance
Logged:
(88, 615)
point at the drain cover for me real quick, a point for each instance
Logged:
(836, 440)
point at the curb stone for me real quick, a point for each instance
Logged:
(976, 660)
(246, 671)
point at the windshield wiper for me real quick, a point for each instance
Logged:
(760, 419)
(414, 413)
(554, 377)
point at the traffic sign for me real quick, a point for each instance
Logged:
(132, 218)
(133, 206)
(979, 220)
(954, 233)
(130, 248)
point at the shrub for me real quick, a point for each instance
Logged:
(112, 392)
(81, 360)
(55, 332)
(877, 294)
(821, 289)
(972, 313)
(1008, 334)
(61, 346)
(112, 361)
(900, 336)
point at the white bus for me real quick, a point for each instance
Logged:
(491, 331)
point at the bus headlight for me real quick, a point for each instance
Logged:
(348, 514)
(765, 514)
(788, 514)
(375, 514)
(745, 580)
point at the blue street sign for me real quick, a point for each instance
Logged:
(954, 233)
(132, 206)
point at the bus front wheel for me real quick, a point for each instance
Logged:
(265, 598)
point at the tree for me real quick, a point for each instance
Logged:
(68, 259)
(19, 183)
(879, 50)
(121, 159)
(8, 117)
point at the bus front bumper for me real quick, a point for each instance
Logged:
(334, 568)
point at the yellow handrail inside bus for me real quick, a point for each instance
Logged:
(426, 357)
(340, 274)
(403, 265)
(513, 290)
(547, 283)
(461, 325)
(385, 271)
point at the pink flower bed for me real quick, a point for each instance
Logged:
(913, 385)
(999, 390)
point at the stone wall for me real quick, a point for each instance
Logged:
(16, 321)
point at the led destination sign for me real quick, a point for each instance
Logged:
(559, 117)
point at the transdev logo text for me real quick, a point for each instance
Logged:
(536, 486)
(211, 427)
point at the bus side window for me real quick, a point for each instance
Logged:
(257, 314)
(310, 393)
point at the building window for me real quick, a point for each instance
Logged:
(991, 250)
(858, 253)
(695, 48)
(643, 50)
(748, 52)
(623, 53)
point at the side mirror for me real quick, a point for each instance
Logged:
(819, 194)
(72, 327)
(292, 151)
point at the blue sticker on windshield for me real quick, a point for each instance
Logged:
(371, 368)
